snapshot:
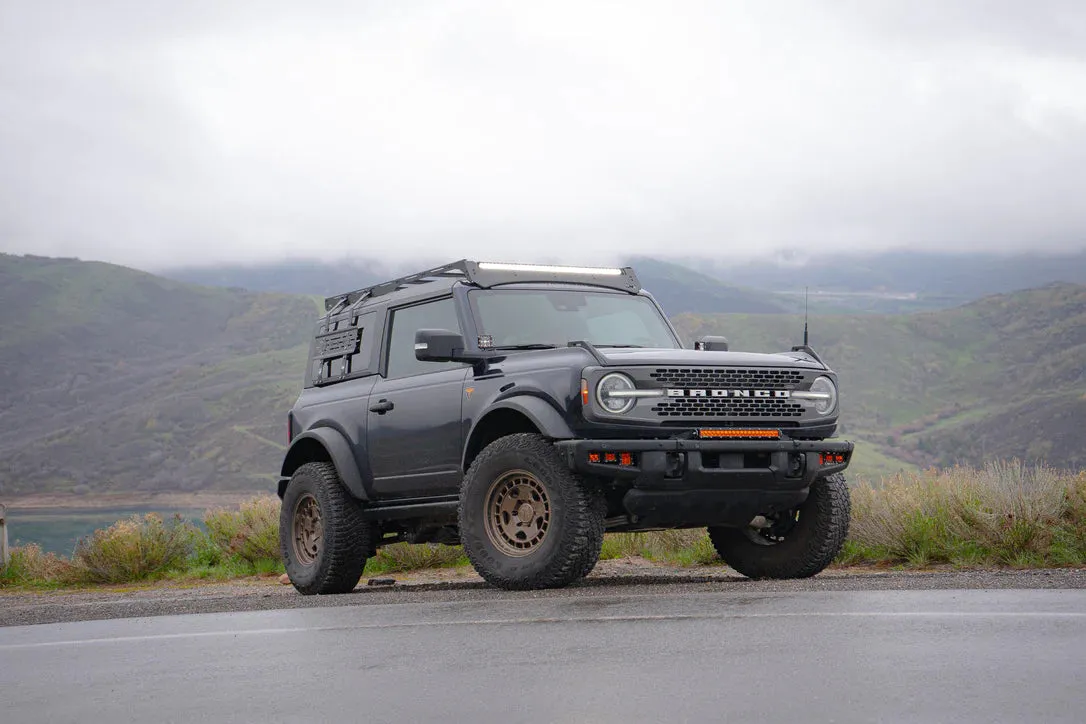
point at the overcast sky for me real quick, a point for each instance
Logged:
(157, 133)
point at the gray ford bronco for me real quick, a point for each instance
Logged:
(524, 410)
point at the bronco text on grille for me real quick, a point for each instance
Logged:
(741, 393)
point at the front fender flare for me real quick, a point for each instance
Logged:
(339, 452)
(542, 413)
(537, 410)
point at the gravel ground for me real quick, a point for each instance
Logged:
(628, 576)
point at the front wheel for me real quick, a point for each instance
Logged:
(526, 522)
(797, 543)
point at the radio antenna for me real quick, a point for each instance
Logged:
(804, 316)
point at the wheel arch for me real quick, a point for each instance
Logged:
(512, 415)
(324, 444)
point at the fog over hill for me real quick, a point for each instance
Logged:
(870, 282)
(677, 288)
(947, 275)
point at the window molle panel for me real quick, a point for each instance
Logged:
(336, 344)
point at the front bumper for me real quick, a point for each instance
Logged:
(709, 482)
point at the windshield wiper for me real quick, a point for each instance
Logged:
(534, 345)
(623, 346)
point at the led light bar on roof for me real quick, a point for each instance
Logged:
(550, 269)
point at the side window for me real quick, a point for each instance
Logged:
(401, 344)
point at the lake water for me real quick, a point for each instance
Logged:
(56, 530)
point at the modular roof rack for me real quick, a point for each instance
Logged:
(487, 274)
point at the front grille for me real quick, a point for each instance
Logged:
(762, 379)
(728, 407)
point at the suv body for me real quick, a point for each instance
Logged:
(410, 382)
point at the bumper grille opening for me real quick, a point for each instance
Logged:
(734, 461)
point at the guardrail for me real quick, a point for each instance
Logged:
(3, 536)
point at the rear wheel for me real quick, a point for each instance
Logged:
(526, 522)
(797, 543)
(323, 538)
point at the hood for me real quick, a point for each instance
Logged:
(689, 357)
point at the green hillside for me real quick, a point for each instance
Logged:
(113, 379)
(1001, 377)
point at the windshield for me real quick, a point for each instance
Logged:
(526, 317)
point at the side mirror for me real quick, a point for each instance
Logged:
(711, 343)
(438, 345)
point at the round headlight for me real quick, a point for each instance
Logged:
(615, 382)
(825, 386)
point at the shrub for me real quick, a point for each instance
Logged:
(29, 565)
(409, 557)
(134, 549)
(251, 532)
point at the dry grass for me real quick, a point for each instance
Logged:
(1004, 514)
(688, 547)
(251, 532)
(134, 549)
(30, 566)
(401, 557)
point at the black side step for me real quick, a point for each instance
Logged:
(427, 509)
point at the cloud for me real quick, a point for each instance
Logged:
(156, 133)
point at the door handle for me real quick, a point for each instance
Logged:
(382, 407)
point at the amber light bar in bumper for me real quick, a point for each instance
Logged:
(739, 434)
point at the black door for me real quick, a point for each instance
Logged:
(414, 433)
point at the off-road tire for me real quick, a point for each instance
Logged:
(347, 540)
(806, 550)
(574, 537)
(598, 503)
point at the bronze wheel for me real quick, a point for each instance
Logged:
(307, 530)
(518, 513)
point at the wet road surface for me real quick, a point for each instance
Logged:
(910, 656)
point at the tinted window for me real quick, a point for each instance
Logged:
(408, 320)
(514, 317)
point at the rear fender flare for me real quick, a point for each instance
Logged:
(337, 449)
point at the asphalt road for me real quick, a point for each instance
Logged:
(913, 656)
